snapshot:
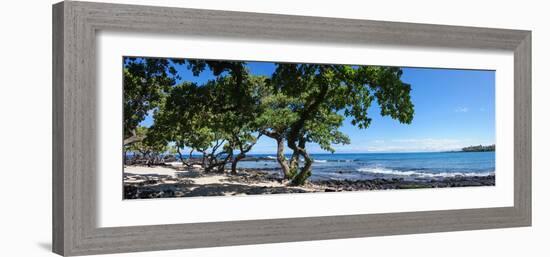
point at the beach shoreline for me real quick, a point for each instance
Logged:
(166, 181)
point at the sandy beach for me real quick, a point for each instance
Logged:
(175, 181)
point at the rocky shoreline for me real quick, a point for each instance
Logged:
(382, 184)
(173, 183)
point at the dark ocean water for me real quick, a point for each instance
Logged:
(389, 165)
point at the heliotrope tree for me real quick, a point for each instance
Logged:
(214, 119)
(180, 120)
(144, 81)
(150, 149)
(310, 101)
(234, 119)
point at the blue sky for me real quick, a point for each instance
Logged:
(453, 109)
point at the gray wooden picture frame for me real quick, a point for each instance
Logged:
(75, 25)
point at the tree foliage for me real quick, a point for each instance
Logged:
(149, 149)
(298, 105)
(145, 80)
(208, 118)
(310, 102)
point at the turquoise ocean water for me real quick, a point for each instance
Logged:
(389, 165)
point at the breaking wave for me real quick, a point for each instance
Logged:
(385, 171)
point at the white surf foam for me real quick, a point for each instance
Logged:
(379, 170)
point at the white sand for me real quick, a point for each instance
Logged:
(221, 179)
(143, 170)
(199, 180)
(140, 174)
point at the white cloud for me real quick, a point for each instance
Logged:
(378, 141)
(408, 145)
(462, 109)
(268, 146)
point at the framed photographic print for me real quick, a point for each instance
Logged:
(183, 128)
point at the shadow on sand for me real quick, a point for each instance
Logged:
(214, 189)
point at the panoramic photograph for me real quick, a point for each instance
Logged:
(197, 127)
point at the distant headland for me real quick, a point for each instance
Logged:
(479, 148)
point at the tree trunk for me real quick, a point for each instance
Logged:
(222, 164)
(132, 139)
(295, 136)
(180, 154)
(208, 165)
(305, 172)
(281, 158)
(215, 164)
(234, 167)
(190, 159)
(203, 160)
(182, 159)
(294, 163)
(239, 157)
